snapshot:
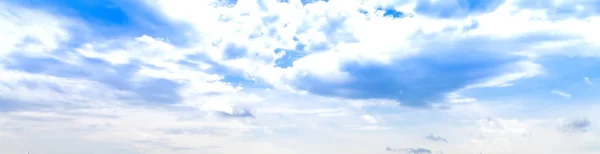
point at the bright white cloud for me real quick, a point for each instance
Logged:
(30, 31)
(369, 118)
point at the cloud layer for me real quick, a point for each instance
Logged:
(299, 76)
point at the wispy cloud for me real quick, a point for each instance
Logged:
(435, 138)
(410, 150)
(587, 80)
(561, 93)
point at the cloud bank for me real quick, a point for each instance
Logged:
(298, 76)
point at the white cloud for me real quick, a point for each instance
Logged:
(369, 118)
(144, 48)
(463, 100)
(561, 93)
(30, 31)
(458, 99)
(520, 70)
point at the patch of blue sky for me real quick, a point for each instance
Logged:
(565, 74)
(289, 56)
(234, 51)
(567, 9)
(363, 11)
(10, 105)
(111, 18)
(234, 76)
(455, 8)
(474, 25)
(391, 12)
(230, 2)
(306, 2)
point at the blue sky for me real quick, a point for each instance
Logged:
(299, 76)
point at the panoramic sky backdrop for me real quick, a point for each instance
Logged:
(300, 76)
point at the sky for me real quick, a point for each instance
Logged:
(300, 76)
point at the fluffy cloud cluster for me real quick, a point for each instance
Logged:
(292, 76)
